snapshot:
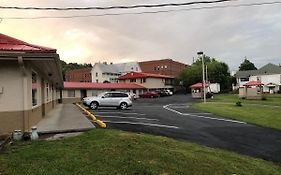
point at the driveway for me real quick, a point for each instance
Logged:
(173, 117)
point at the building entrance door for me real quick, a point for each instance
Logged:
(83, 93)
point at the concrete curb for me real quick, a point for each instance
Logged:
(64, 131)
(99, 122)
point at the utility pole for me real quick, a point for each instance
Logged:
(203, 75)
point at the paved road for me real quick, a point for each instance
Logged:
(173, 117)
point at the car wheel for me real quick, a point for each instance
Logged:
(94, 105)
(123, 106)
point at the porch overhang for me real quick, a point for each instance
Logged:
(47, 64)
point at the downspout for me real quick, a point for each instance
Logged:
(24, 84)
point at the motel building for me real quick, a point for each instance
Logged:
(30, 83)
(150, 81)
(74, 91)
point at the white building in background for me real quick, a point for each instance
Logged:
(104, 73)
(150, 81)
(269, 75)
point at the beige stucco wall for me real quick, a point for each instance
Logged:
(16, 110)
(95, 92)
(151, 83)
(66, 99)
(11, 99)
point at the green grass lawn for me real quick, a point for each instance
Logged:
(263, 116)
(272, 99)
(117, 152)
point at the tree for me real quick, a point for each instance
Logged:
(71, 66)
(218, 72)
(247, 65)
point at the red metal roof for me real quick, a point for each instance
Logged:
(131, 75)
(87, 85)
(253, 83)
(198, 85)
(8, 43)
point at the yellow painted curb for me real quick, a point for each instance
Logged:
(99, 122)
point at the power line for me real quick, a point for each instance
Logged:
(147, 12)
(115, 7)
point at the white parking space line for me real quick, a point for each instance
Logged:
(180, 107)
(140, 123)
(137, 118)
(199, 116)
(152, 106)
(112, 112)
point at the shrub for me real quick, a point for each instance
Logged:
(209, 95)
(263, 98)
(238, 103)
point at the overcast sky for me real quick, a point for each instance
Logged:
(227, 34)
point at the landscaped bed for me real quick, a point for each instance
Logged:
(117, 152)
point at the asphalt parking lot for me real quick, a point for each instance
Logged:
(173, 117)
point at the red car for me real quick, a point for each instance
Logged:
(149, 95)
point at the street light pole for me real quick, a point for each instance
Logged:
(203, 75)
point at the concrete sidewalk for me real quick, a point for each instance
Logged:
(64, 118)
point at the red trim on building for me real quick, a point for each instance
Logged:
(8, 43)
(253, 83)
(198, 85)
(132, 75)
(88, 85)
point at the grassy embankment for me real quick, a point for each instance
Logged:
(117, 152)
(251, 111)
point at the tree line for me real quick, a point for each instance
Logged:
(71, 66)
(218, 72)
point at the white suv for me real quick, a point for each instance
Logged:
(109, 99)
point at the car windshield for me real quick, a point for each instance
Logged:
(102, 94)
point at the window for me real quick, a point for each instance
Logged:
(97, 74)
(166, 66)
(108, 95)
(258, 79)
(155, 68)
(132, 80)
(143, 80)
(119, 95)
(34, 89)
(244, 79)
(71, 93)
(97, 80)
(137, 69)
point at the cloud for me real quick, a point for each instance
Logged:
(227, 34)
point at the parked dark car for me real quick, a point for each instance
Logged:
(149, 95)
(162, 93)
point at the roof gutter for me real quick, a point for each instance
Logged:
(24, 89)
